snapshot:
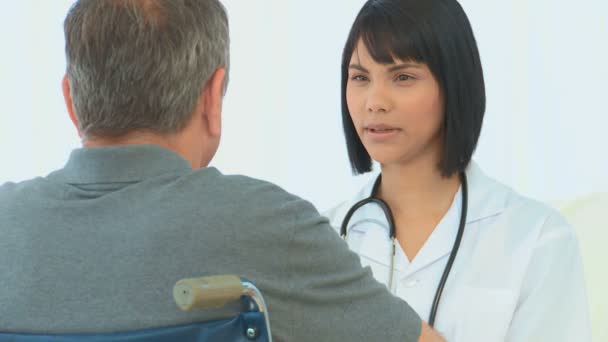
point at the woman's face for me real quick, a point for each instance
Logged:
(397, 109)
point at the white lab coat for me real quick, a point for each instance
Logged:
(518, 275)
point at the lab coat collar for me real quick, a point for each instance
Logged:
(441, 240)
(375, 244)
(487, 197)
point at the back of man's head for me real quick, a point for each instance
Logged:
(141, 64)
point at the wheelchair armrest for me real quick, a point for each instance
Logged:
(213, 292)
(207, 292)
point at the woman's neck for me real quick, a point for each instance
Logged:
(417, 190)
(419, 197)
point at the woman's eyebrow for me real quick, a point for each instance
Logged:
(392, 68)
(358, 67)
(403, 66)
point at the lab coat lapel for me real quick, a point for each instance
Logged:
(486, 198)
(441, 240)
(376, 244)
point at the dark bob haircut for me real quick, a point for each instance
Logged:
(438, 34)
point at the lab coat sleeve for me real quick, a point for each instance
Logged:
(553, 303)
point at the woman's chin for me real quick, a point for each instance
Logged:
(385, 159)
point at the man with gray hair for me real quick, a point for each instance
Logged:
(96, 246)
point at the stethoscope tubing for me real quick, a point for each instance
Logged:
(392, 235)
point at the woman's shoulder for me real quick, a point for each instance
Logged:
(337, 213)
(491, 198)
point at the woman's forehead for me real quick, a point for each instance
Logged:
(380, 48)
(361, 55)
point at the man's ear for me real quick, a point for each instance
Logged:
(213, 96)
(67, 96)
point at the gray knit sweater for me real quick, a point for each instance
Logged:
(98, 245)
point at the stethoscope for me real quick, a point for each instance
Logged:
(391, 227)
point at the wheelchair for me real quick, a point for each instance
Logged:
(251, 324)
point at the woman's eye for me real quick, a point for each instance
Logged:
(359, 78)
(404, 77)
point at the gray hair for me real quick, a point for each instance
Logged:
(142, 64)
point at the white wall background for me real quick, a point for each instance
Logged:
(545, 62)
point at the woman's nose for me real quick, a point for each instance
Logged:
(378, 100)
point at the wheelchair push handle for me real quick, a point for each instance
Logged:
(207, 292)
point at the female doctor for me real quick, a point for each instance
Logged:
(471, 256)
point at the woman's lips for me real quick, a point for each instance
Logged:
(381, 132)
